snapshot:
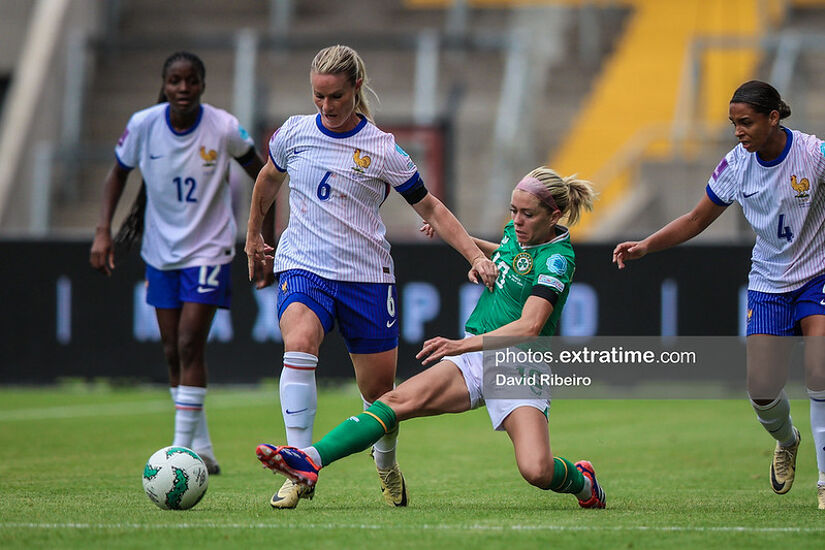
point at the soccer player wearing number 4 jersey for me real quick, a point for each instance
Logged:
(333, 260)
(776, 174)
(183, 149)
(536, 264)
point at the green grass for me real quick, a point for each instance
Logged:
(678, 474)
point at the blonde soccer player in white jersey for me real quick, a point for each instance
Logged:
(776, 174)
(333, 260)
(183, 149)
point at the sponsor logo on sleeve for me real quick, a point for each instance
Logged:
(719, 169)
(822, 148)
(557, 264)
(552, 282)
(123, 137)
(243, 132)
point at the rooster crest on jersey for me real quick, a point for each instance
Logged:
(210, 157)
(360, 162)
(801, 187)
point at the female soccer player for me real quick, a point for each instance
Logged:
(183, 149)
(333, 260)
(536, 264)
(776, 175)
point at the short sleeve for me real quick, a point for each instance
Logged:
(723, 183)
(238, 140)
(399, 168)
(127, 150)
(815, 148)
(553, 275)
(278, 145)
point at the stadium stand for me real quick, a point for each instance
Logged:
(621, 91)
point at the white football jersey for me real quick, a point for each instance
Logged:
(337, 182)
(784, 201)
(189, 219)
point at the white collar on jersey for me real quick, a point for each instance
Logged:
(561, 233)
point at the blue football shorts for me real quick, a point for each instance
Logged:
(206, 284)
(779, 314)
(366, 312)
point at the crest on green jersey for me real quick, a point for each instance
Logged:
(523, 263)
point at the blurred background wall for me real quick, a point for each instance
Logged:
(631, 94)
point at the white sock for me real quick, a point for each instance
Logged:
(776, 419)
(173, 391)
(818, 425)
(587, 490)
(299, 397)
(383, 451)
(313, 454)
(201, 442)
(188, 406)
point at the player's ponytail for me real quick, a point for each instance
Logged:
(762, 97)
(344, 60)
(571, 195)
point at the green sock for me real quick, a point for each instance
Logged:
(566, 477)
(356, 433)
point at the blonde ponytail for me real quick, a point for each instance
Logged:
(572, 195)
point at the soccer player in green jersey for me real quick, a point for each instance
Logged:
(535, 261)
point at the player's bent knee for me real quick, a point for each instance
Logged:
(403, 406)
(536, 476)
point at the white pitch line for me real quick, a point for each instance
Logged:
(129, 408)
(417, 527)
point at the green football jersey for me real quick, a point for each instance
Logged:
(549, 267)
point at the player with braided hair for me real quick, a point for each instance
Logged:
(184, 215)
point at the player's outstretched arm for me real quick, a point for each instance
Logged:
(450, 229)
(534, 315)
(102, 254)
(681, 229)
(486, 247)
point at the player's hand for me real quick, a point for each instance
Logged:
(628, 250)
(427, 229)
(257, 252)
(484, 271)
(264, 275)
(437, 348)
(102, 254)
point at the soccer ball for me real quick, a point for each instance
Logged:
(175, 478)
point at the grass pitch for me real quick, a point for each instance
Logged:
(678, 474)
